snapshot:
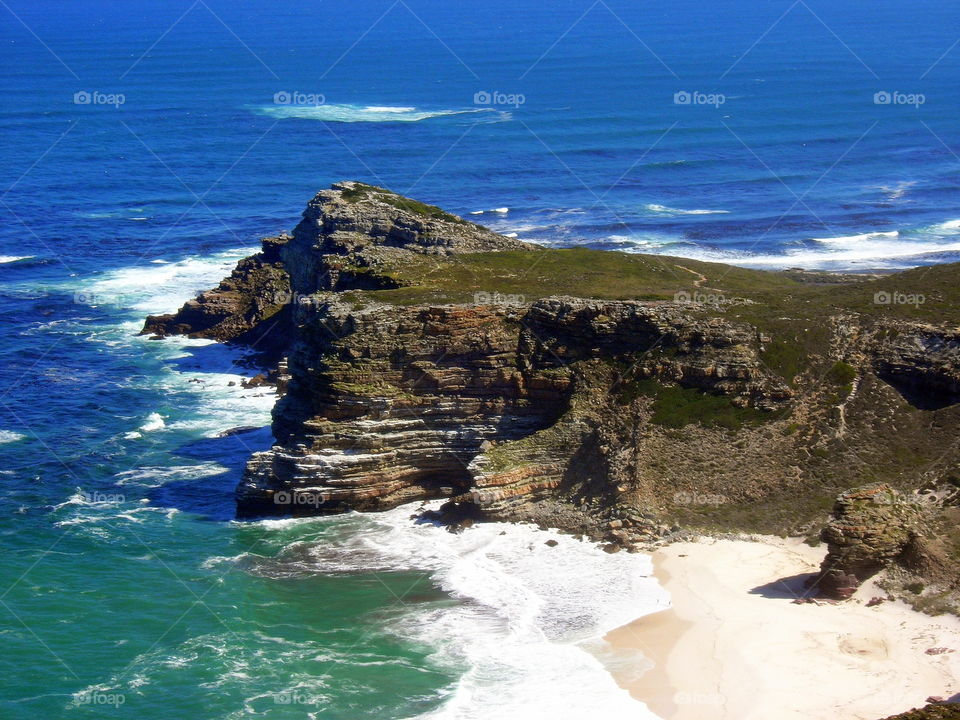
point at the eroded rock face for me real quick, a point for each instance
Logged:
(922, 362)
(391, 404)
(871, 528)
(611, 418)
(251, 306)
(351, 231)
(671, 342)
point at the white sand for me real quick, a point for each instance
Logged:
(734, 645)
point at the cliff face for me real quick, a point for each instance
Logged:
(391, 404)
(432, 358)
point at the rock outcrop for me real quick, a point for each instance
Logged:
(871, 528)
(251, 306)
(922, 362)
(624, 415)
(934, 711)
(392, 404)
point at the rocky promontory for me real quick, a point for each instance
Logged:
(625, 397)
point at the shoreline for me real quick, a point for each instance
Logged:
(734, 645)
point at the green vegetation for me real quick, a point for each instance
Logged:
(676, 407)
(362, 191)
(578, 272)
(842, 374)
(783, 358)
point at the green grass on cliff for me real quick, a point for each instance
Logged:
(676, 407)
(793, 308)
(362, 191)
(576, 271)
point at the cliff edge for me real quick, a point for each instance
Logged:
(625, 397)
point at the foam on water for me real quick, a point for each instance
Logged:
(361, 113)
(663, 209)
(153, 422)
(5, 259)
(8, 436)
(526, 616)
(150, 287)
(844, 240)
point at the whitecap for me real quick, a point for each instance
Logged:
(655, 208)
(360, 113)
(8, 436)
(848, 239)
(153, 422)
(948, 226)
(4, 259)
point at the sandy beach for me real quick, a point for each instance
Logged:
(735, 646)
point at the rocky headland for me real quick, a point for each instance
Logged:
(634, 399)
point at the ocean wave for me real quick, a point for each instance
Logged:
(361, 113)
(154, 476)
(153, 288)
(527, 616)
(8, 436)
(871, 252)
(898, 190)
(663, 209)
(950, 226)
(7, 259)
(153, 422)
(499, 210)
(851, 239)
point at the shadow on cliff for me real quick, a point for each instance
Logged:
(219, 358)
(212, 497)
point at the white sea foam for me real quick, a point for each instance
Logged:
(8, 436)
(653, 207)
(527, 614)
(153, 422)
(202, 368)
(4, 259)
(950, 226)
(151, 288)
(155, 476)
(361, 113)
(898, 190)
(872, 250)
(849, 239)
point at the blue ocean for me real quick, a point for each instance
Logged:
(148, 145)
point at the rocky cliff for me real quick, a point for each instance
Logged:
(622, 396)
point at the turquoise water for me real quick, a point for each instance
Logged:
(127, 588)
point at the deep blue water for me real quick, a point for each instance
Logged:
(112, 522)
